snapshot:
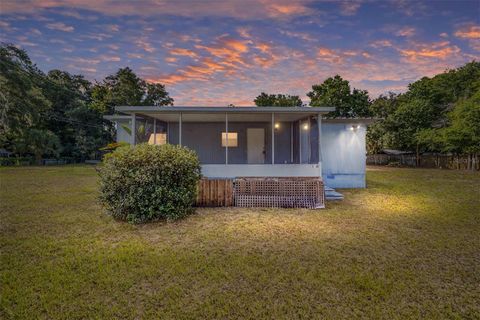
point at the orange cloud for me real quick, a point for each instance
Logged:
(183, 52)
(287, 9)
(328, 55)
(439, 50)
(468, 32)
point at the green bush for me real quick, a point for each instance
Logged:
(149, 182)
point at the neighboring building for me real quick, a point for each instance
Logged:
(256, 141)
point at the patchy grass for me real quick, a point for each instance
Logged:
(406, 247)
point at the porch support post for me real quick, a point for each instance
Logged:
(273, 138)
(319, 126)
(134, 129)
(180, 129)
(226, 138)
(155, 131)
(291, 142)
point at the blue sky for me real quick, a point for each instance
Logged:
(216, 52)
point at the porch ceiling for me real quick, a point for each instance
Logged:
(217, 114)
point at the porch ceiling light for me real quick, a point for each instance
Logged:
(305, 126)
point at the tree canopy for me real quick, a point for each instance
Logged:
(336, 92)
(429, 115)
(60, 114)
(126, 88)
(277, 100)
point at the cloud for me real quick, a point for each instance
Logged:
(256, 9)
(438, 50)
(287, 9)
(468, 32)
(406, 32)
(381, 43)
(183, 52)
(349, 8)
(36, 31)
(80, 60)
(300, 35)
(145, 45)
(113, 28)
(60, 26)
(135, 55)
(108, 58)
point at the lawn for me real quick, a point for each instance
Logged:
(406, 247)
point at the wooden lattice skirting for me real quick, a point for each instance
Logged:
(288, 192)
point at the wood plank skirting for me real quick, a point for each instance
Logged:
(275, 192)
(215, 193)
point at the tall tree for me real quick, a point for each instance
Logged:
(336, 92)
(277, 100)
(126, 88)
(22, 102)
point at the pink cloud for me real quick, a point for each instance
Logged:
(405, 32)
(350, 8)
(229, 8)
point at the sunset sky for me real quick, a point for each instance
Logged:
(221, 52)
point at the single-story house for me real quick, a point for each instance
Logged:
(255, 141)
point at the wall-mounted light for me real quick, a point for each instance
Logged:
(354, 127)
(305, 126)
(277, 125)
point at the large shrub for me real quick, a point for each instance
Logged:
(149, 182)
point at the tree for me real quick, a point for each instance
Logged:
(462, 135)
(277, 100)
(38, 142)
(381, 108)
(336, 92)
(22, 102)
(411, 121)
(126, 88)
(71, 118)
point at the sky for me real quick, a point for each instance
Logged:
(215, 53)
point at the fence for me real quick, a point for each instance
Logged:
(441, 161)
(215, 193)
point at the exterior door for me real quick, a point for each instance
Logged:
(256, 145)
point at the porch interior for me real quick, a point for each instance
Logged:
(236, 139)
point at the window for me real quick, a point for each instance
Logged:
(161, 138)
(232, 139)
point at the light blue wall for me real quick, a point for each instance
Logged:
(122, 135)
(343, 155)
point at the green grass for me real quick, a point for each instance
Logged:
(406, 247)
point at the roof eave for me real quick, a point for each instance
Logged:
(163, 109)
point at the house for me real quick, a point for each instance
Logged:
(236, 142)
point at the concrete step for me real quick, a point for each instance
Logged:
(331, 194)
